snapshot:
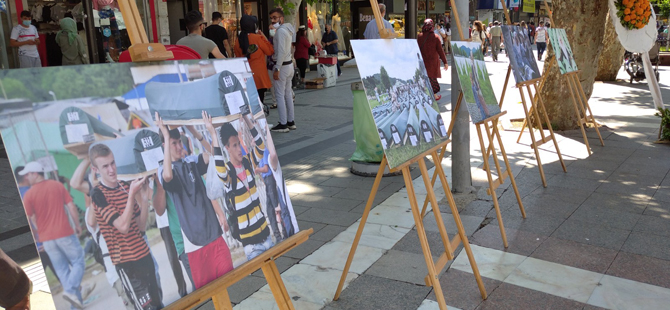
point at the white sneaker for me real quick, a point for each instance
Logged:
(72, 299)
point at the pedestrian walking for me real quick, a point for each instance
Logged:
(253, 44)
(282, 72)
(301, 53)
(432, 53)
(531, 32)
(479, 34)
(71, 45)
(541, 40)
(24, 36)
(447, 42)
(203, 46)
(496, 39)
(218, 34)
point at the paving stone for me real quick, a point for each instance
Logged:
(470, 223)
(304, 225)
(653, 225)
(304, 249)
(327, 233)
(641, 268)
(509, 296)
(592, 234)
(363, 195)
(401, 266)
(630, 184)
(572, 182)
(299, 209)
(538, 223)
(283, 263)
(596, 170)
(245, 287)
(657, 207)
(460, 289)
(478, 208)
(410, 243)
(370, 292)
(648, 245)
(607, 217)
(320, 202)
(519, 241)
(663, 193)
(623, 202)
(307, 188)
(575, 254)
(326, 216)
(541, 207)
(557, 193)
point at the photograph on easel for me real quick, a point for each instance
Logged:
(399, 94)
(144, 187)
(474, 78)
(520, 52)
(561, 45)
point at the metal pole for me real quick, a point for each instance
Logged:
(410, 25)
(460, 154)
(3, 48)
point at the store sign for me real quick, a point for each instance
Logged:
(529, 6)
(513, 3)
(366, 17)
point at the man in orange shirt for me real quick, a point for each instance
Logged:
(44, 203)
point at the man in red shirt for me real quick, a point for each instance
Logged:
(121, 210)
(44, 203)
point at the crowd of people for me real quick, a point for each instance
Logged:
(490, 36)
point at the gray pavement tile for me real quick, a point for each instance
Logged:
(479, 208)
(575, 254)
(519, 241)
(400, 266)
(648, 245)
(304, 249)
(410, 243)
(630, 184)
(595, 170)
(509, 296)
(299, 209)
(321, 202)
(571, 182)
(572, 195)
(393, 186)
(656, 154)
(538, 223)
(641, 268)
(244, 288)
(592, 234)
(606, 217)
(627, 144)
(653, 225)
(304, 225)
(326, 216)
(363, 195)
(470, 223)
(610, 153)
(539, 206)
(370, 292)
(309, 190)
(646, 169)
(591, 307)
(620, 202)
(460, 289)
(663, 193)
(328, 233)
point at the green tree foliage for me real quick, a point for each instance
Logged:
(68, 82)
(386, 81)
(662, 7)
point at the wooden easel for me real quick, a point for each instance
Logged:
(492, 134)
(531, 112)
(449, 245)
(217, 290)
(580, 104)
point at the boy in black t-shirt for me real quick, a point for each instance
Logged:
(219, 35)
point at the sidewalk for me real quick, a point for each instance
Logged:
(594, 237)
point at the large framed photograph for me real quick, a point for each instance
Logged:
(143, 182)
(517, 45)
(561, 45)
(399, 94)
(474, 78)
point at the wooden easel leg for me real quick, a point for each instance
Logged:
(277, 287)
(523, 127)
(579, 115)
(534, 109)
(509, 171)
(461, 231)
(491, 147)
(430, 194)
(487, 167)
(588, 107)
(434, 178)
(551, 130)
(221, 300)
(532, 137)
(502, 96)
(418, 221)
(361, 226)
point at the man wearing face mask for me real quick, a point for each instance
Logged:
(195, 25)
(282, 72)
(217, 33)
(25, 37)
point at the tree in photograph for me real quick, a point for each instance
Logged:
(584, 23)
(611, 56)
(386, 81)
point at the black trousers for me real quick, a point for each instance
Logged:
(302, 64)
(140, 283)
(173, 257)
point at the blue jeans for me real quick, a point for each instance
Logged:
(541, 46)
(67, 257)
(253, 250)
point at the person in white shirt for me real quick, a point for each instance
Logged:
(371, 30)
(541, 39)
(25, 37)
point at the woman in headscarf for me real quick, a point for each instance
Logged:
(432, 53)
(255, 46)
(71, 45)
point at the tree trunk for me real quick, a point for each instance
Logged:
(611, 57)
(583, 22)
(291, 14)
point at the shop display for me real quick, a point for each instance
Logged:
(517, 45)
(400, 96)
(562, 49)
(336, 26)
(474, 78)
(225, 194)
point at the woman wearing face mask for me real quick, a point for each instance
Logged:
(255, 46)
(71, 45)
